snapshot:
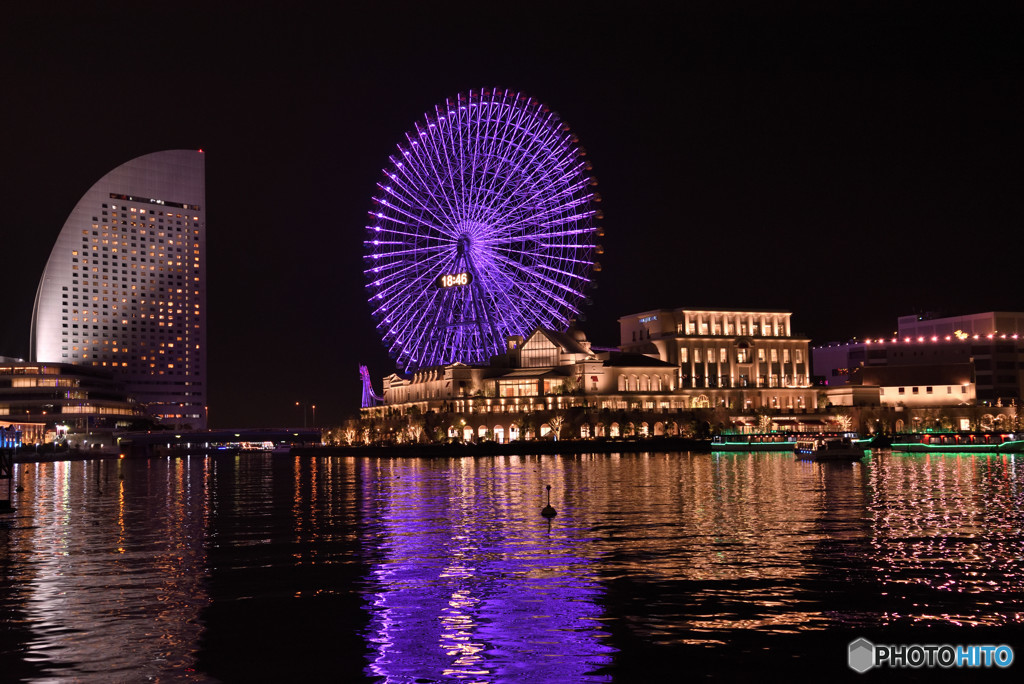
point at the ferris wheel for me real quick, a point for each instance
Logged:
(483, 227)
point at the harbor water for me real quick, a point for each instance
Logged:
(657, 567)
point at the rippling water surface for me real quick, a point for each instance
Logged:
(259, 567)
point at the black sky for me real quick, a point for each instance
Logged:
(849, 165)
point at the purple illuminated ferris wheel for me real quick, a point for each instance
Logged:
(482, 227)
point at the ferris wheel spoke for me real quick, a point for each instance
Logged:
(433, 177)
(414, 250)
(548, 203)
(479, 162)
(492, 116)
(419, 284)
(418, 185)
(538, 297)
(565, 212)
(414, 219)
(446, 147)
(568, 274)
(409, 198)
(554, 283)
(388, 291)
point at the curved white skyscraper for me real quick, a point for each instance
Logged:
(125, 285)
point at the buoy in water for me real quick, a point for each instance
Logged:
(548, 511)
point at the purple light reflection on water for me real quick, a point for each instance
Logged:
(474, 584)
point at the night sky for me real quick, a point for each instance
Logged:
(847, 165)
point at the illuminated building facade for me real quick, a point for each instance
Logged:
(739, 360)
(547, 370)
(47, 399)
(556, 375)
(934, 361)
(125, 286)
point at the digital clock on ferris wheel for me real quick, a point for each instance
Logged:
(454, 279)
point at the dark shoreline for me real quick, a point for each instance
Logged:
(25, 456)
(536, 447)
(456, 450)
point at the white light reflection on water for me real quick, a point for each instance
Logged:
(108, 586)
(948, 523)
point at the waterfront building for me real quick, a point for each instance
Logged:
(931, 361)
(124, 289)
(553, 378)
(737, 359)
(547, 368)
(49, 401)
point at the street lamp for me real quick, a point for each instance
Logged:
(297, 404)
(314, 415)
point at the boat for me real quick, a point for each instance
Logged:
(753, 441)
(829, 449)
(959, 442)
(769, 441)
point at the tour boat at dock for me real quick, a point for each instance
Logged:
(759, 441)
(829, 449)
(959, 442)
